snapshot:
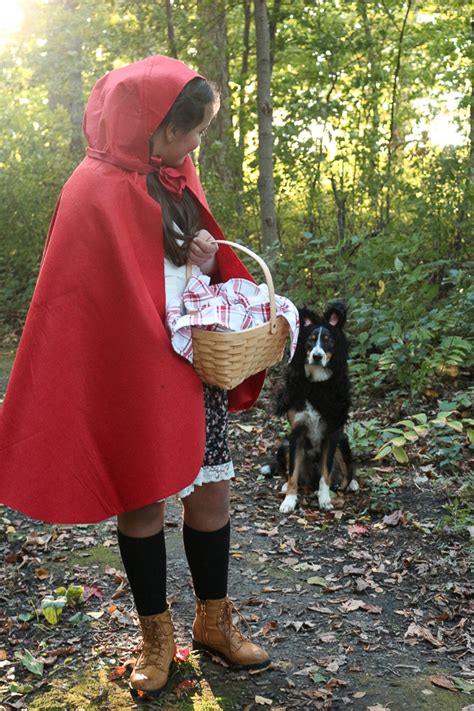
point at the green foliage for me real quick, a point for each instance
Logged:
(410, 317)
(35, 666)
(52, 605)
(364, 437)
(447, 434)
(458, 517)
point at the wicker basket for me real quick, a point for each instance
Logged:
(227, 358)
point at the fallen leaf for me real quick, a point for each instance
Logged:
(182, 653)
(463, 684)
(442, 681)
(272, 625)
(20, 689)
(395, 518)
(185, 687)
(79, 618)
(96, 615)
(245, 428)
(35, 666)
(335, 683)
(262, 701)
(415, 630)
(92, 591)
(357, 530)
(317, 580)
(359, 694)
(354, 604)
(117, 673)
(41, 573)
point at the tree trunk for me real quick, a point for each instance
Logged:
(373, 127)
(173, 50)
(272, 26)
(218, 154)
(340, 200)
(465, 214)
(243, 80)
(266, 183)
(392, 140)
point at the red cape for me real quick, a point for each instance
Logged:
(101, 416)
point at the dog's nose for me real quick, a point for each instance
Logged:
(316, 357)
(336, 488)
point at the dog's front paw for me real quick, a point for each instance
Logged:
(353, 486)
(288, 504)
(325, 503)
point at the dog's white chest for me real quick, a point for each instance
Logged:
(315, 424)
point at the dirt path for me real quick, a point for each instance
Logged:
(365, 607)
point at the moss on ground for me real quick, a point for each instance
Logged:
(101, 555)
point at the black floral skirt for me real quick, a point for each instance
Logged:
(217, 464)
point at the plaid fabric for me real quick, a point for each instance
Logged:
(234, 305)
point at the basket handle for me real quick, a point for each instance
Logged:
(266, 273)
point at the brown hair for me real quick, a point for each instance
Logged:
(186, 113)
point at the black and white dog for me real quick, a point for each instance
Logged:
(316, 400)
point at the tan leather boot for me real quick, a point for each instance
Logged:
(151, 671)
(214, 632)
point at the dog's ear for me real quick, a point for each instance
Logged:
(307, 317)
(336, 313)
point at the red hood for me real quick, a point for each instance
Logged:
(147, 90)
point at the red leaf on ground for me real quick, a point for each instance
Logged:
(116, 673)
(92, 591)
(181, 654)
(272, 625)
(185, 687)
(357, 530)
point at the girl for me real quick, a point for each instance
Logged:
(101, 417)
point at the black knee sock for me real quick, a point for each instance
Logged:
(208, 559)
(144, 560)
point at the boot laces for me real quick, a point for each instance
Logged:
(235, 636)
(155, 646)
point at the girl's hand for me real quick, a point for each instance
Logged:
(202, 251)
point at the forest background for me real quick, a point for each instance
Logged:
(343, 152)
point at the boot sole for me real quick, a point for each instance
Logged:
(142, 694)
(261, 666)
(151, 693)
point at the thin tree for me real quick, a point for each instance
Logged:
(173, 50)
(218, 154)
(392, 140)
(266, 184)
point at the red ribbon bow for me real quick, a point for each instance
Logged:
(171, 178)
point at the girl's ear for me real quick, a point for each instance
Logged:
(170, 132)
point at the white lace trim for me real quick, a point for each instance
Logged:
(217, 472)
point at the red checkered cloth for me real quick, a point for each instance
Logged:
(234, 305)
